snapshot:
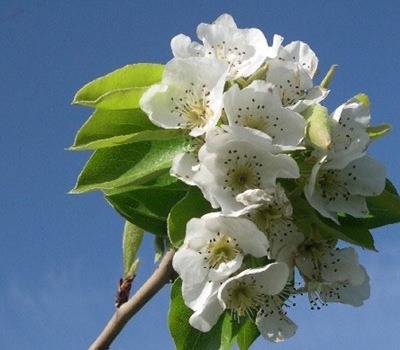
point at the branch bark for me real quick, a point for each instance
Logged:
(161, 276)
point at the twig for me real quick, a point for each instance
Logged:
(161, 276)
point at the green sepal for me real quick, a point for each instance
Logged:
(130, 164)
(363, 98)
(184, 335)
(318, 126)
(131, 240)
(192, 205)
(120, 89)
(148, 206)
(326, 80)
(378, 131)
(106, 128)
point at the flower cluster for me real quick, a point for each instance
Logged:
(265, 153)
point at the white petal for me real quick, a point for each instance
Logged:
(354, 295)
(342, 265)
(206, 315)
(364, 176)
(258, 106)
(274, 325)
(302, 53)
(194, 83)
(244, 49)
(246, 234)
(184, 167)
(182, 47)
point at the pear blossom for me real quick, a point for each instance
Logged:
(333, 275)
(292, 70)
(213, 249)
(349, 138)
(322, 293)
(258, 106)
(245, 50)
(272, 213)
(189, 95)
(331, 190)
(233, 160)
(257, 292)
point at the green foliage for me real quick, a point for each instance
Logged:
(107, 128)
(120, 89)
(383, 209)
(191, 206)
(129, 164)
(141, 205)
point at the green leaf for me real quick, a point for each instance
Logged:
(318, 126)
(247, 334)
(355, 231)
(383, 209)
(229, 331)
(350, 230)
(184, 335)
(120, 89)
(131, 239)
(130, 164)
(192, 205)
(107, 128)
(148, 206)
(377, 131)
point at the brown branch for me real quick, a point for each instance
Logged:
(161, 276)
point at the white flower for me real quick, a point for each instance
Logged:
(258, 106)
(331, 190)
(301, 53)
(213, 249)
(234, 160)
(292, 71)
(189, 95)
(349, 138)
(272, 213)
(322, 293)
(243, 49)
(330, 265)
(333, 275)
(256, 291)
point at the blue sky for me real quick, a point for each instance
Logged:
(60, 254)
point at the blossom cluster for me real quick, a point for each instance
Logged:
(258, 156)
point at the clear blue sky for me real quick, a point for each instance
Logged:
(60, 254)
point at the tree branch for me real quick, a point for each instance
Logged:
(161, 276)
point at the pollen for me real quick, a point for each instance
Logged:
(221, 250)
(244, 298)
(194, 107)
(242, 173)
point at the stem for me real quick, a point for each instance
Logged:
(161, 276)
